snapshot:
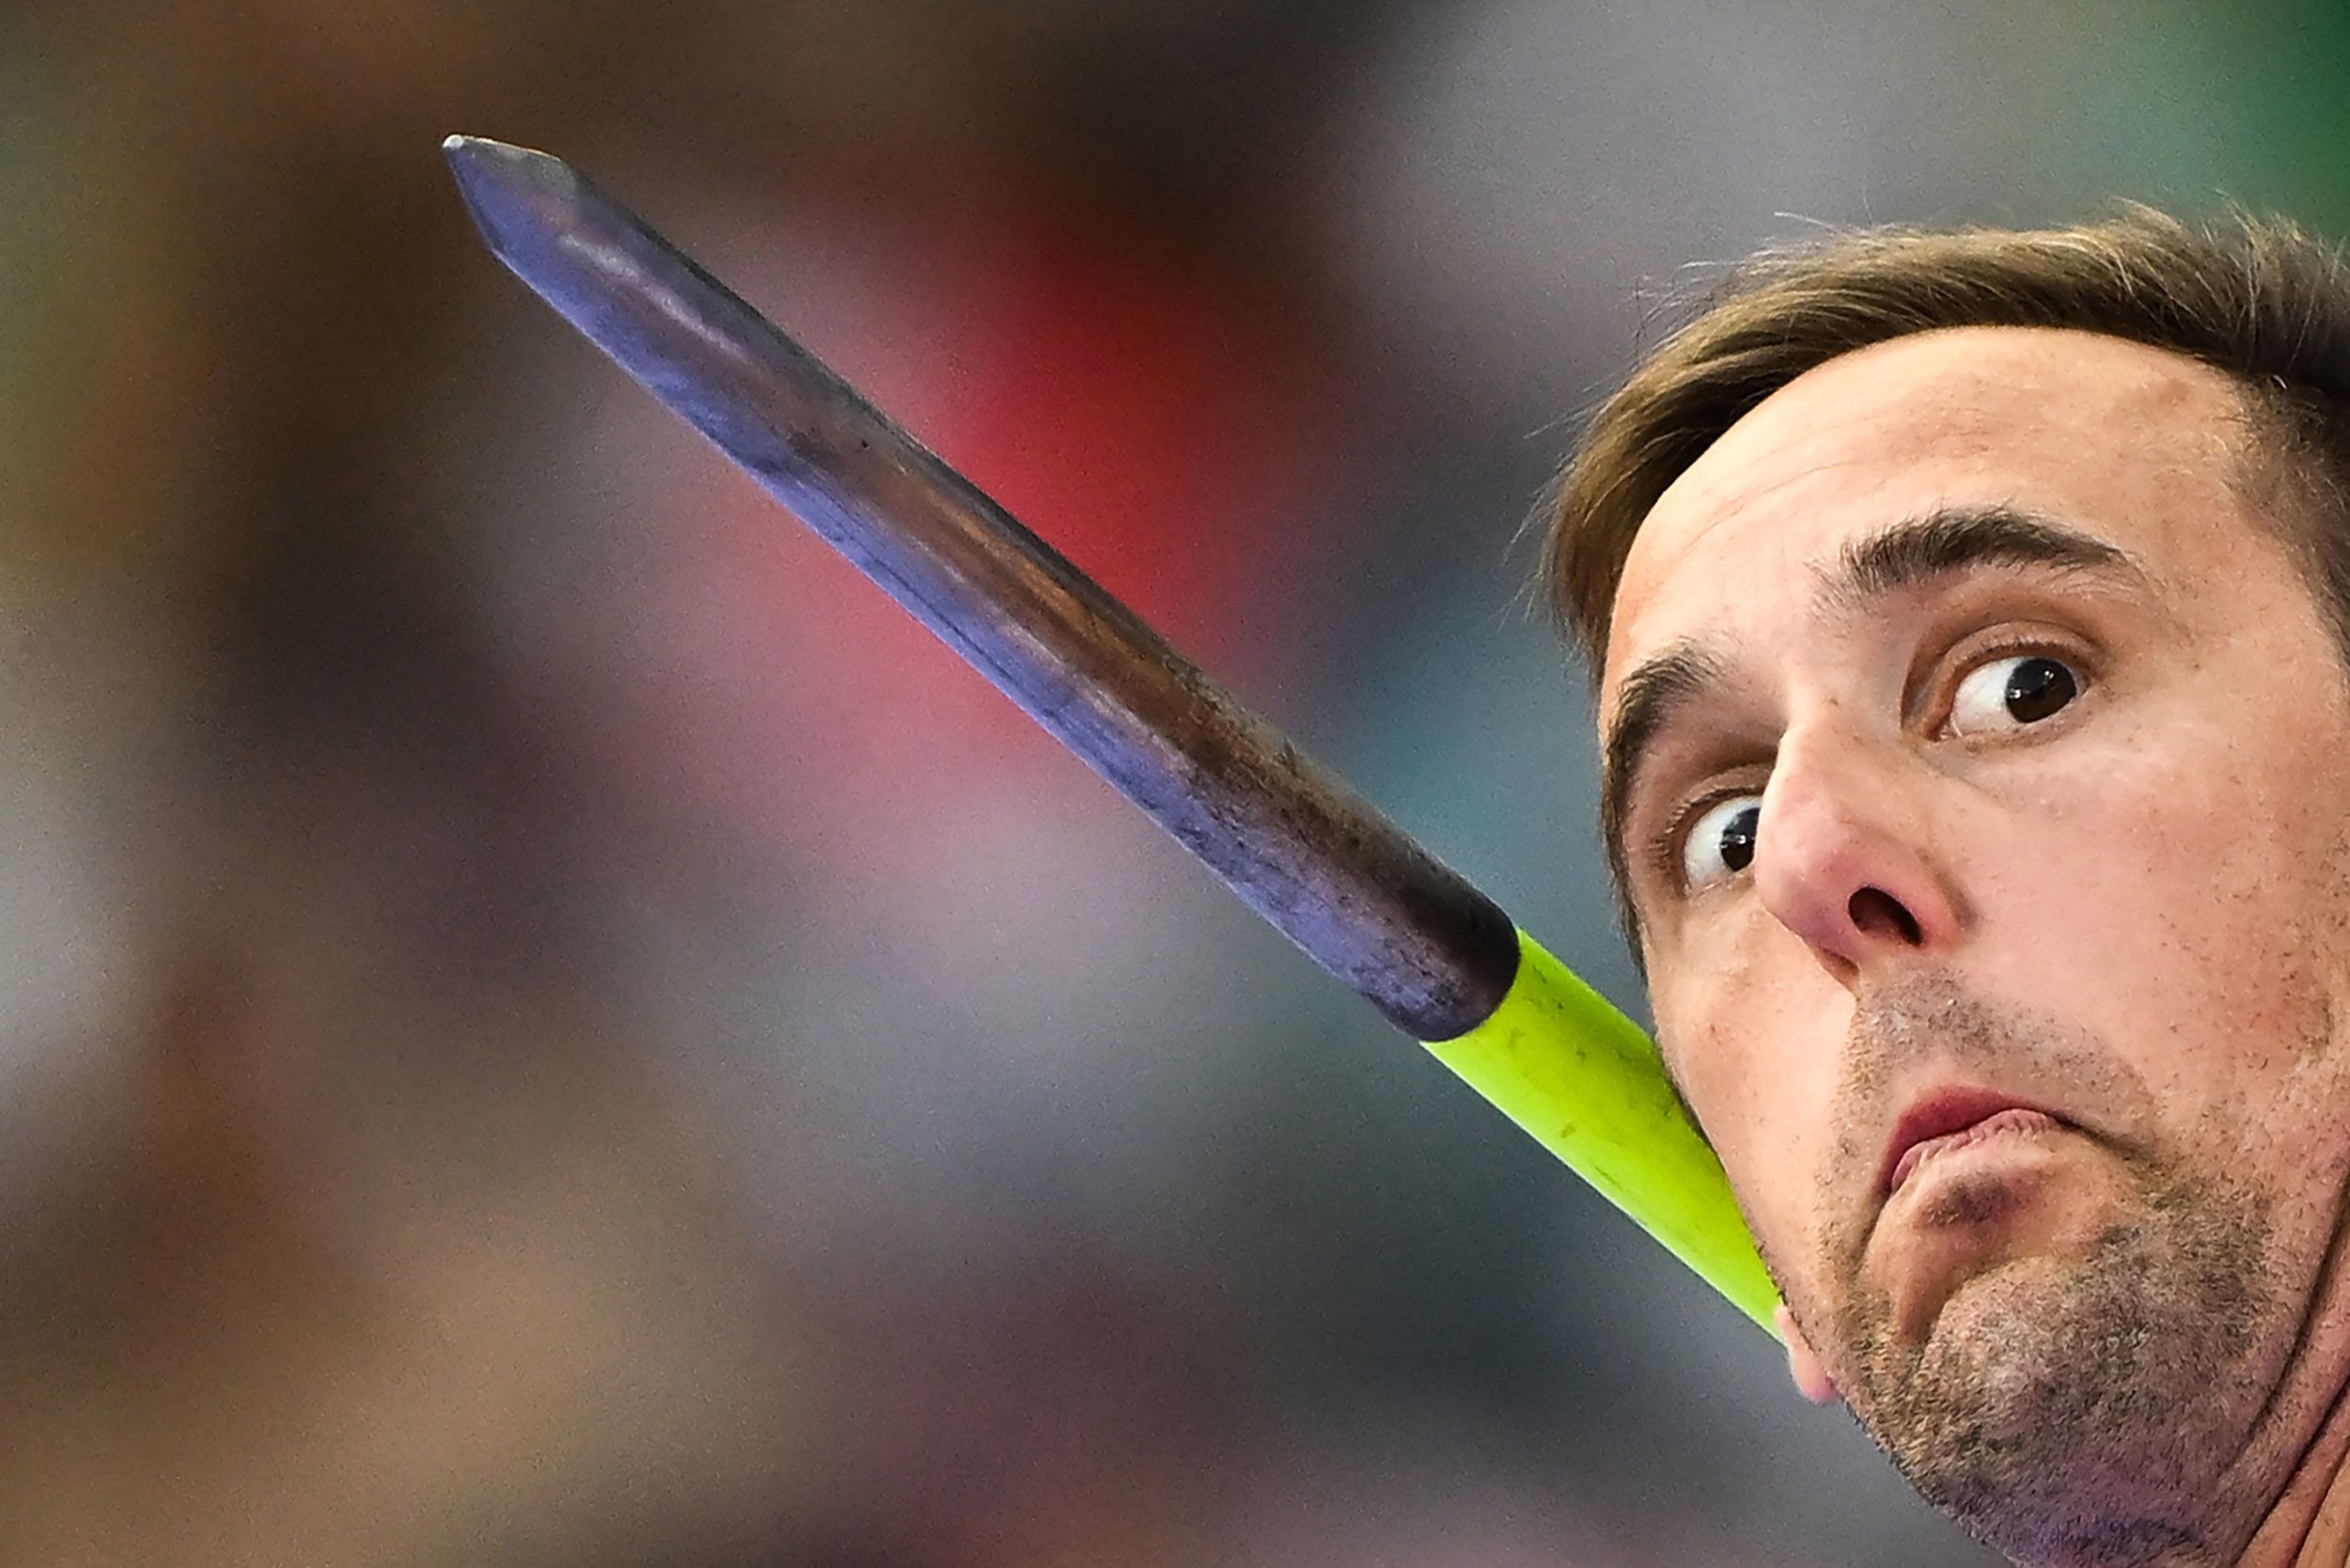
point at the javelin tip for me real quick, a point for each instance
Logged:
(514, 193)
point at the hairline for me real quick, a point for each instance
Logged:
(2278, 492)
(2262, 470)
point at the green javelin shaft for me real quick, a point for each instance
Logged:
(1297, 845)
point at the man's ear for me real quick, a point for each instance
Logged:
(1803, 1365)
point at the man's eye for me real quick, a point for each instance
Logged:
(2007, 693)
(1720, 843)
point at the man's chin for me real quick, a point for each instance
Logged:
(1993, 1334)
(2058, 1392)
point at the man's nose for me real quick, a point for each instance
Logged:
(1843, 856)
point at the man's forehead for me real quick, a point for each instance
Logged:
(2051, 420)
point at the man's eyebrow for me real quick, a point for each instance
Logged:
(1941, 544)
(1905, 555)
(1649, 698)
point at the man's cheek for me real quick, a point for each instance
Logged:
(1765, 1110)
(2147, 907)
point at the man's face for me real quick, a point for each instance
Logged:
(1982, 758)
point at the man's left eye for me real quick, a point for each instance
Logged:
(2010, 693)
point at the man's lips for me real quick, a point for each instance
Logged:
(1949, 1119)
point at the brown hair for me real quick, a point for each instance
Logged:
(2257, 298)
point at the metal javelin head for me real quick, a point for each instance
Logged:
(1299, 847)
(1294, 842)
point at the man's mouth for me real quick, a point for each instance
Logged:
(1951, 1120)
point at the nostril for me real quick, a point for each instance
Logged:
(1878, 912)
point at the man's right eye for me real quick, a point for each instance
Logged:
(1720, 843)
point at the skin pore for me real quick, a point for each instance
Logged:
(1976, 741)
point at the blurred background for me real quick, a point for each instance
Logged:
(542, 1021)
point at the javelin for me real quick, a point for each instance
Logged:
(1364, 901)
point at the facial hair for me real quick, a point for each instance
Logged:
(2076, 1409)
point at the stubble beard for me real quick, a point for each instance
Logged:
(2082, 1409)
